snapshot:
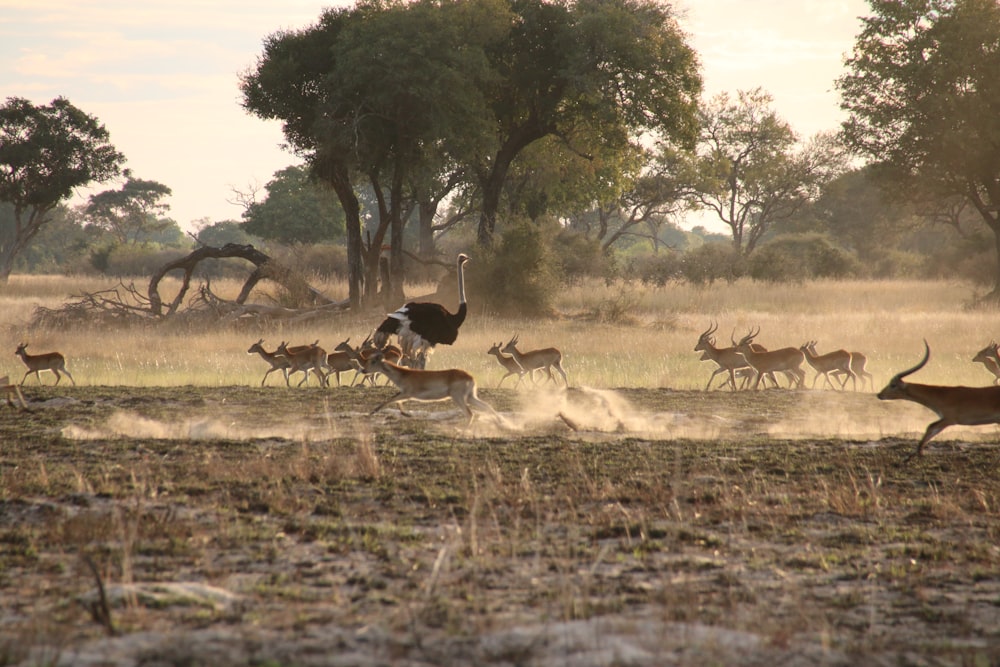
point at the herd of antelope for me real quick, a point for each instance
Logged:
(753, 363)
(744, 362)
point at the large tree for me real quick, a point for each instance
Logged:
(46, 152)
(750, 169)
(923, 96)
(297, 209)
(379, 92)
(133, 213)
(617, 67)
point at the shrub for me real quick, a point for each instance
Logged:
(655, 269)
(801, 257)
(578, 257)
(517, 276)
(711, 262)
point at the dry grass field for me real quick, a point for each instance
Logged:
(169, 510)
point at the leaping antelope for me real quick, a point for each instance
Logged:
(964, 406)
(435, 385)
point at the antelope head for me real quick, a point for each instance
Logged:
(748, 339)
(988, 353)
(705, 338)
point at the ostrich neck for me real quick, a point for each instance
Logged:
(461, 283)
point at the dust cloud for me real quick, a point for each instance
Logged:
(578, 410)
(130, 425)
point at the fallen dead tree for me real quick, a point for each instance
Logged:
(126, 305)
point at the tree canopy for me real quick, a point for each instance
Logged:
(923, 94)
(406, 95)
(132, 213)
(46, 151)
(749, 169)
(297, 209)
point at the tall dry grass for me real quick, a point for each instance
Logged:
(610, 336)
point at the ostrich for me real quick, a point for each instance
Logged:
(422, 325)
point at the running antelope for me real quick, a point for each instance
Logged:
(824, 364)
(964, 406)
(278, 362)
(509, 363)
(545, 359)
(786, 360)
(435, 385)
(989, 357)
(859, 366)
(305, 358)
(50, 361)
(362, 353)
(728, 360)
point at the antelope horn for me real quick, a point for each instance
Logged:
(927, 355)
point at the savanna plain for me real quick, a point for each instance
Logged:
(167, 509)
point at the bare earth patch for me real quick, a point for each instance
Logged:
(236, 525)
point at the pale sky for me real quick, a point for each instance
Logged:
(163, 77)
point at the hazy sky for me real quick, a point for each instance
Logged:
(163, 76)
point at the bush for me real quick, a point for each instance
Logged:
(517, 276)
(578, 257)
(655, 269)
(801, 257)
(711, 262)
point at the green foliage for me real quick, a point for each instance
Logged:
(326, 261)
(577, 256)
(136, 260)
(656, 269)
(517, 277)
(800, 257)
(710, 262)
(923, 94)
(297, 209)
(133, 212)
(220, 233)
(45, 153)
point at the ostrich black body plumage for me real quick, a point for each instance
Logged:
(420, 325)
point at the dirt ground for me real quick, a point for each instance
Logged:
(236, 525)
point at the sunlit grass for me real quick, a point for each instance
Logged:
(649, 345)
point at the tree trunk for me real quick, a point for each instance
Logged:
(337, 176)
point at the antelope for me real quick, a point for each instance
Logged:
(727, 358)
(509, 363)
(435, 385)
(305, 358)
(277, 361)
(786, 360)
(824, 364)
(989, 357)
(859, 363)
(338, 362)
(964, 406)
(545, 359)
(362, 353)
(50, 361)
(12, 391)
(745, 374)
